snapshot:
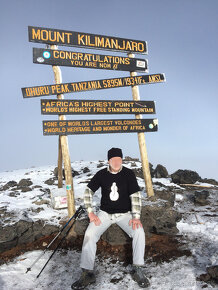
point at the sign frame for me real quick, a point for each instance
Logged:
(105, 126)
(96, 107)
(85, 40)
(74, 87)
(88, 60)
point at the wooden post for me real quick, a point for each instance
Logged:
(65, 149)
(142, 144)
(60, 161)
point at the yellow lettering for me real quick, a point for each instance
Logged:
(80, 39)
(123, 45)
(134, 46)
(56, 54)
(60, 37)
(141, 47)
(68, 55)
(114, 43)
(107, 43)
(154, 78)
(35, 35)
(68, 36)
(66, 89)
(44, 35)
(53, 88)
(89, 41)
(100, 41)
(80, 56)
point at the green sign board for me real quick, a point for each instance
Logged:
(65, 88)
(71, 127)
(85, 40)
(88, 107)
(88, 60)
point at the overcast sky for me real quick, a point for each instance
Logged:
(182, 43)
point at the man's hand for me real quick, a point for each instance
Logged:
(94, 218)
(136, 223)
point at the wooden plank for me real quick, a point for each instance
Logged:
(88, 60)
(63, 152)
(71, 127)
(74, 87)
(142, 143)
(60, 162)
(88, 107)
(85, 40)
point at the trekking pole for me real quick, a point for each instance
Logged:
(76, 213)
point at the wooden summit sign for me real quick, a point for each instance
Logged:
(65, 88)
(85, 40)
(88, 107)
(88, 60)
(71, 127)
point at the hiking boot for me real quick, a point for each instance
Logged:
(139, 276)
(86, 278)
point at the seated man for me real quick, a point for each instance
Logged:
(120, 204)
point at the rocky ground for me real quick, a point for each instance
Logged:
(180, 221)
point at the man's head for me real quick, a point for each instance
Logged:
(115, 156)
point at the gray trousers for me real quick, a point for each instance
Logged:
(93, 234)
